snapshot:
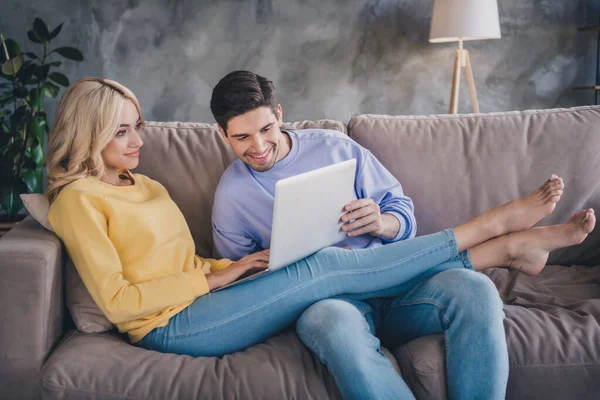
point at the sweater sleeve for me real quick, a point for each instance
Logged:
(211, 265)
(376, 182)
(78, 219)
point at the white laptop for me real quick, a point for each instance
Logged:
(306, 214)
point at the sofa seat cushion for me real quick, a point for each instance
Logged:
(552, 328)
(105, 366)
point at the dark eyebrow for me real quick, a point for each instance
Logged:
(126, 125)
(247, 134)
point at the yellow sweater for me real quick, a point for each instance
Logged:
(133, 249)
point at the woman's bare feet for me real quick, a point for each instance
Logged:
(524, 212)
(528, 250)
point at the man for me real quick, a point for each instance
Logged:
(461, 304)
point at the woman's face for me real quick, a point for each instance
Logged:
(124, 149)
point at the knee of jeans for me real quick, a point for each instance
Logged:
(331, 321)
(472, 290)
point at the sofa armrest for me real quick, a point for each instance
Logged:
(31, 306)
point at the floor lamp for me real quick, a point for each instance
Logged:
(460, 21)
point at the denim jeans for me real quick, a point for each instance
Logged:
(461, 304)
(241, 316)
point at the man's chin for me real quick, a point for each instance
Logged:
(260, 167)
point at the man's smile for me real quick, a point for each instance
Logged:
(261, 157)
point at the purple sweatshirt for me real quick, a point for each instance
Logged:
(243, 208)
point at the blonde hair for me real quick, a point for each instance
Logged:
(87, 118)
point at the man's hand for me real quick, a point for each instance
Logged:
(364, 216)
(247, 265)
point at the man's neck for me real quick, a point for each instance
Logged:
(285, 146)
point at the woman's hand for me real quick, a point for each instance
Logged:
(247, 265)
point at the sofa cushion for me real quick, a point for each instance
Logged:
(85, 313)
(456, 166)
(37, 206)
(552, 328)
(105, 366)
(189, 159)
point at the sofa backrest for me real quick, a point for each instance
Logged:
(189, 159)
(455, 167)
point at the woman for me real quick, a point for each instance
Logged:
(135, 254)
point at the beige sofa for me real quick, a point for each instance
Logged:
(453, 167)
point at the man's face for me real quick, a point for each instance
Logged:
(256, 138)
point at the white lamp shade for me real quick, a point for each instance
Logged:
(464, 19)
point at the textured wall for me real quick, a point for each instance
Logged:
(328, 58)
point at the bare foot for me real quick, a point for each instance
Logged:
(529, 249)
(524, 212)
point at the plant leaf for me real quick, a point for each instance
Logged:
(20, 93)
(35, 129)
(37, 154)
(41, 72)
(40, 29)
(56, 31)
(17, 204)
(18, 115)
(55, 63)
(13, 49)
(31, 55)
(25, 73)
(70, 52)
(32, 37)
(12, 66)
(51, 89)
(13, 152)
(6, 198)
(29, 177)
(43, 118)
(36, 98)
(59, 78)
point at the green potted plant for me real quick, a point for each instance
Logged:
(26, 80)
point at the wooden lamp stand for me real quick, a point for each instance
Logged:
(462, 60)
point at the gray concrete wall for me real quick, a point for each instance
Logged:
(328, 58)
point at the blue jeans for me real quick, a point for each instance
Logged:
(243, 315)
(462, 304)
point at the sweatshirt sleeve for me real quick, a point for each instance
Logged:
(376, 182)
(78, 219)
(211, 265)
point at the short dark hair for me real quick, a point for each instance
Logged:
(239, 92)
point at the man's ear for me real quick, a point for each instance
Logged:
(279, 115)
(222, 132)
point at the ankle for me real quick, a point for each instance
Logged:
(489, 225)
(512, 247)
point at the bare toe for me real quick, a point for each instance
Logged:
(589, 222)
(526, 211)
(530, 249)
